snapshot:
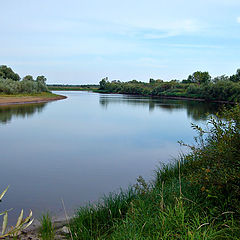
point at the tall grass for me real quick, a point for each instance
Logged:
(95, 221)
(197, 197)
(46, 230)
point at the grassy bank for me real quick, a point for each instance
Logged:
(197, 197)
(42, 94)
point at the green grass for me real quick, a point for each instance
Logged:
(95, 221)
(46, 230)
(196, 197)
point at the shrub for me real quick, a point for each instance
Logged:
(9, 86)
(215, 163)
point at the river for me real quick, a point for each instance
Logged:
(88, 145)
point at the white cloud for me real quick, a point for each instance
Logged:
(238, 19)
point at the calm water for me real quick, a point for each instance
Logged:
(87, 145)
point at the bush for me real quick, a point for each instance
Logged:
(9, 86)
(215, 163)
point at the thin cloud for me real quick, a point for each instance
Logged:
(193, 46)
(238, 19)
(173, 29)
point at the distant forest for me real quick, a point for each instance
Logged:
(71, 87)
(199, 85)
(11, 82)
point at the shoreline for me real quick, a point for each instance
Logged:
(6, 100)
(33, 231)
(155, 97)
(170, 97)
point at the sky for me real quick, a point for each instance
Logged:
(83, 41)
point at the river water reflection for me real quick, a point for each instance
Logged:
(88, 145)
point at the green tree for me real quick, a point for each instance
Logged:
(152, 81)
(28, 78)
(103, 83)
(8, 73)
(199, 77)
(41, 79)
(235, 77)
(220, 78)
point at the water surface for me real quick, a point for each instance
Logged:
(88, 145)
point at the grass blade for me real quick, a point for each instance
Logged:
(5, 221)
(3, 193)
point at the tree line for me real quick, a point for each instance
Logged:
(11, 82)
(197, 85)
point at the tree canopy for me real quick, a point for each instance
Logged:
(199, 85)
(235, 77)
(28, 78)
(199, 77)
(10, 82)
(8, 73)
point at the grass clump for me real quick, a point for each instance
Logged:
(197, 197)
(46, 230)
(96, 221)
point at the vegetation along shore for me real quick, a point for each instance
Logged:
(14, 90)
(198, 86)
(67, 87)
(196, 197)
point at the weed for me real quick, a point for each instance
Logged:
(46, 230)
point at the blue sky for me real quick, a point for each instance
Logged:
(79, 42)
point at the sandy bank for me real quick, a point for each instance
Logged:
(11, 100)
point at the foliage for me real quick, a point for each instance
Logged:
(69, 87)
(41, 79)
(196, 197)
(216, 163)
(8, 73)
(8, 86)
(28, 78)
(235, 77)
(198, 85)
(46, 230)
(20, 225)
(10, 82)
(199, 77)
(103, 83)
(221, 78)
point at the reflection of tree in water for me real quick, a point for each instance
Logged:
(25, 110)
(196, 110)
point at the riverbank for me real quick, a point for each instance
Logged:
(29, 98)
(211, 91)
(197, 197)
(60, 228)
(170, 97)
